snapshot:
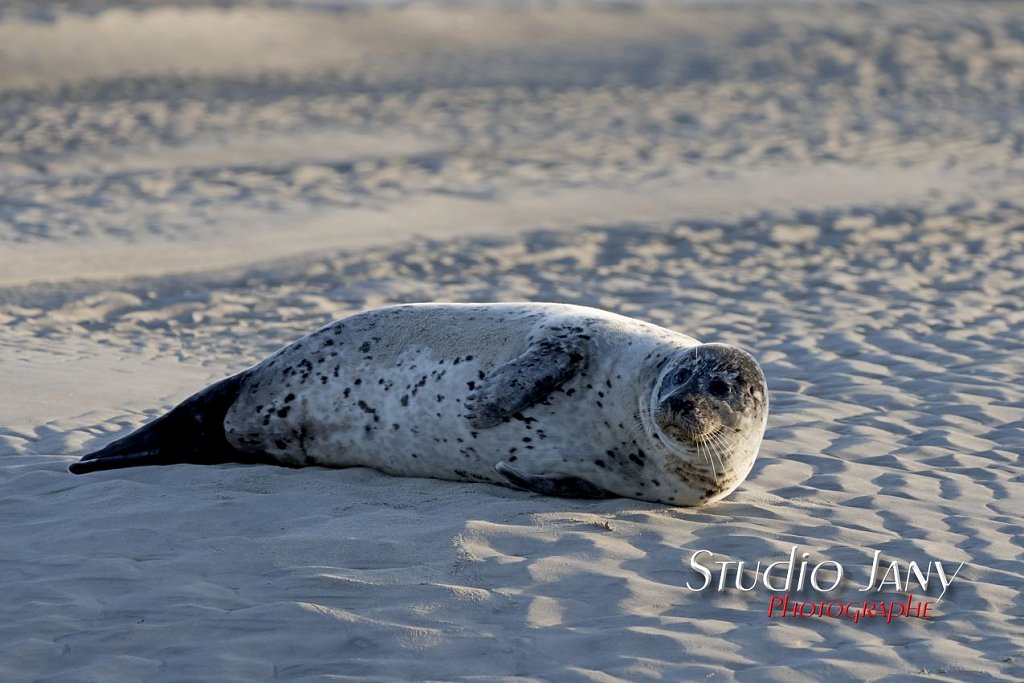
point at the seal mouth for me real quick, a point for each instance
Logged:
(694, 436)
(712, 443)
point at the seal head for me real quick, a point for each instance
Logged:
(711, 402)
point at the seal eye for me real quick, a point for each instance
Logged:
(718, 388)
(682, 376)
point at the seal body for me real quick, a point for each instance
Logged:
(553, 398)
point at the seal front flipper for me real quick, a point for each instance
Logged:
(192, 432)
(524, 381)
(551, 485)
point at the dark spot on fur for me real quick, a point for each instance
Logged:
(527, 439)
(281, 444)
(364, 347)
(599, 463)
(404, 400)
(394, 425)
(513, 458)
(283, 412)
(348, 390)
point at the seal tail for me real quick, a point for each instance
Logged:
(192, 432)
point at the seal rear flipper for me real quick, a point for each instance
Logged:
(192, 432)
(525, 380)
(551, 485)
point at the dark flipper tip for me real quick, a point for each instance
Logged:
(192, 432)
(98, 462)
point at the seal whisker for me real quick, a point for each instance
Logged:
(714, 469)
(719, 446)
(708, 458)
(637, 428)
(711, 457)
(726, 443)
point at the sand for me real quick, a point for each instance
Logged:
(185, 187)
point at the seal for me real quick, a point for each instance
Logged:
(556, 399)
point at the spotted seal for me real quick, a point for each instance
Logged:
(557, 399)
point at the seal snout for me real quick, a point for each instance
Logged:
(689, 415)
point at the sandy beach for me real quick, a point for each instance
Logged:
(835, 186)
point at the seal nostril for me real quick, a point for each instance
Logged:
(718, 388)
(682, 404)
